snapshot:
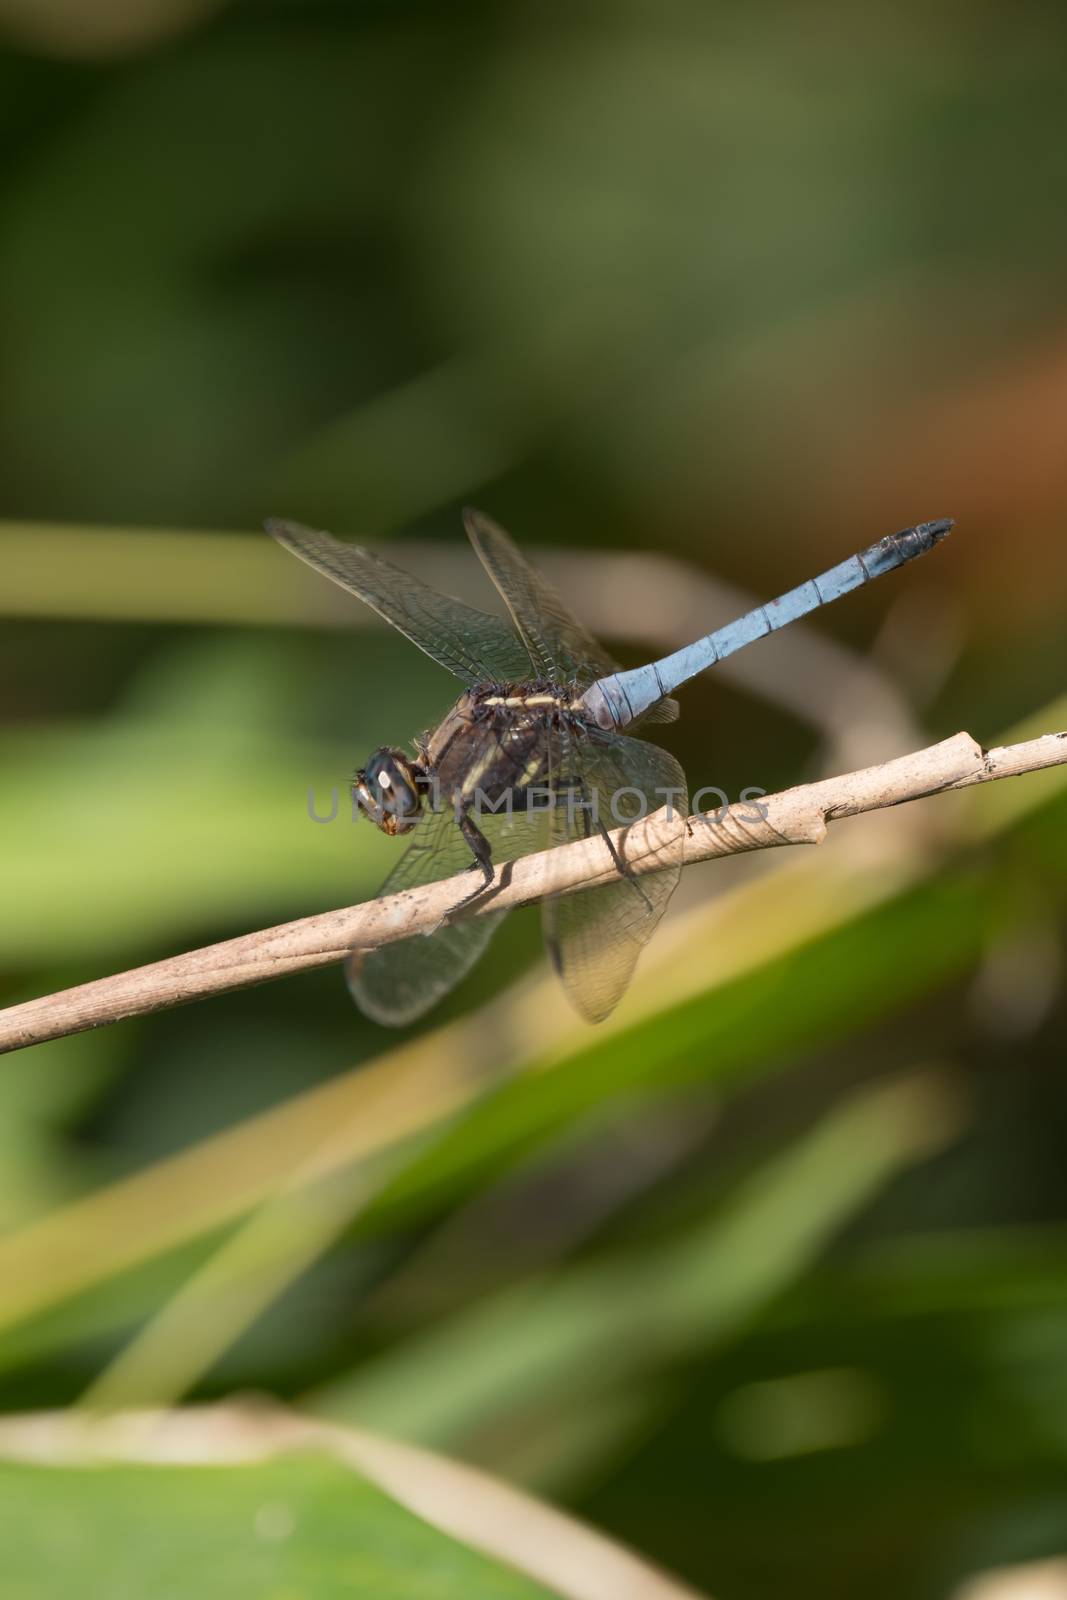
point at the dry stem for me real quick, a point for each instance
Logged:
(796, 816)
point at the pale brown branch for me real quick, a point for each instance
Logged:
(796, 816)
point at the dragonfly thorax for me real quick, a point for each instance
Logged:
(496, 740)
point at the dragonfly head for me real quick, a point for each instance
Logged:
(388, 791)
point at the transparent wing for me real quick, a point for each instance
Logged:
(665, 710)
(595, 937)
(398, 982)
(560, 647)
(470, 643)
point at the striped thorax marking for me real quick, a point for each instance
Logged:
(515, 701)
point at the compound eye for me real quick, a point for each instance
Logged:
(391, 781)
(394, 784)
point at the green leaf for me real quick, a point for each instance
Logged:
(278, 1530)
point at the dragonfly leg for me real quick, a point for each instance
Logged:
(624, 867)
(483, 858)
(625, 870)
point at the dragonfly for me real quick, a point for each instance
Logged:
(533, 754)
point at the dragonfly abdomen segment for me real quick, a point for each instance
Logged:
(622, 697)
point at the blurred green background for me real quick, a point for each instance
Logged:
(768, 1277)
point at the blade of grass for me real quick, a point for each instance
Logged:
(599, 1326)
